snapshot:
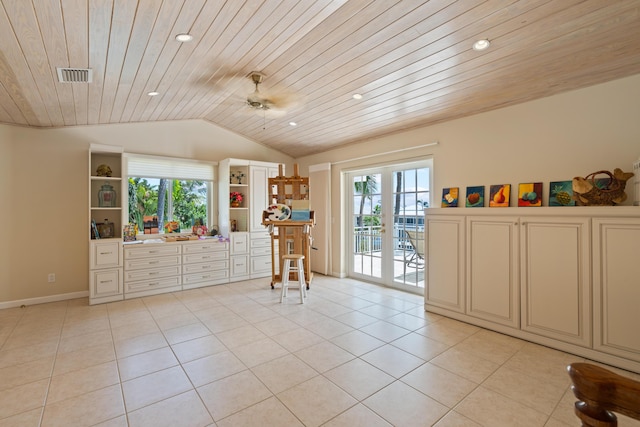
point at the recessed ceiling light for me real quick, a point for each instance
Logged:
(153, 93)
(184, 38)
(357, 96)
(481, 44)
(293, 124)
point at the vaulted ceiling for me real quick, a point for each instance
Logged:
(411, 60)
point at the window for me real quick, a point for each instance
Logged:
(172, 193)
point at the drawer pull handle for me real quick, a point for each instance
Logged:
(154, 283)
(154, 262)
(106, 253)
(153, 273)
(153, 252)
(106, 281)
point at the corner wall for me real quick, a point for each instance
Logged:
(44, 184)
(550, 139)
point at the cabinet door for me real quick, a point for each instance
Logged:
(555, 278)
(239, 267)
(445, 254)
(492, 269)
(616, 290)
(259, 196)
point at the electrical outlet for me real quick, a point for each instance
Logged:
(51, 277)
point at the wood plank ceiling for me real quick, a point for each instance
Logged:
(411, 60)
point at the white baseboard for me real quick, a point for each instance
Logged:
(42, 300)
(339, 275)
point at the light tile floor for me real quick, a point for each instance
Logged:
(355, 354)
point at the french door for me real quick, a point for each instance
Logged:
(386, 224)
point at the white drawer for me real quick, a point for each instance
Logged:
(261, 251)
(154, 273)
(105, 255)
(142, 263)
(260, 243)
(152, 251)
(261, 264)
(204, 257)
(148, 285)
(205, 277)
(214, 246)
(106, 283)
(206, 266)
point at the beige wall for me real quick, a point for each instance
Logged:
(43, 172)
(43, 181)
(551, 139)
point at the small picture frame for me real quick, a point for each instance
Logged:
(475, 197)
(499, 195)
(561, 193)
(450, 197)
(530, 194)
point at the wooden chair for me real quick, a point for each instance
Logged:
(415, 258)
(600, 393)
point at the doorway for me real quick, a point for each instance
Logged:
(386, 223)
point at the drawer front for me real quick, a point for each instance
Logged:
(142, 263)
(205, 277)
(239, 266)
(205, 266)
(261, 251)
(152, 251)
(261, 264)
(190, 248)
(260, 243)
(105, 255)
(204, 257)
(106, 283)
(147, 285)
(154, 273)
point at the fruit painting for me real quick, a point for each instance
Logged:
(499, 195)
(561, 193)
(450, 197)
(475, 197)
(530, 194)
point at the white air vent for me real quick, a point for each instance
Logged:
(74, 75)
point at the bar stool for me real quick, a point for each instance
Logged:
(288, 268)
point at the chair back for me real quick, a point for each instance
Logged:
(416, 238)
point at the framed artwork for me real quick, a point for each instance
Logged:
(475, 197)
(530, 194)
(450, 197)
(560, 193)
(499, 195)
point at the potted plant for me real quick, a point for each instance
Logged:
(235, 198)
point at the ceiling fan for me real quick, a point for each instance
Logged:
(272, 104)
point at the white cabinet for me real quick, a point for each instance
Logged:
(105, 211)
(555, 278)
(204, 264)
(152, 268)
(239, 269)
(562, 277)
(105, 271)
(250, 244)
(260, 255)
(445, 263)
(492, 291)
(616, 286)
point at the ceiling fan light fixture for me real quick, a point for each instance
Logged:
(183, 38)
(482, 44)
